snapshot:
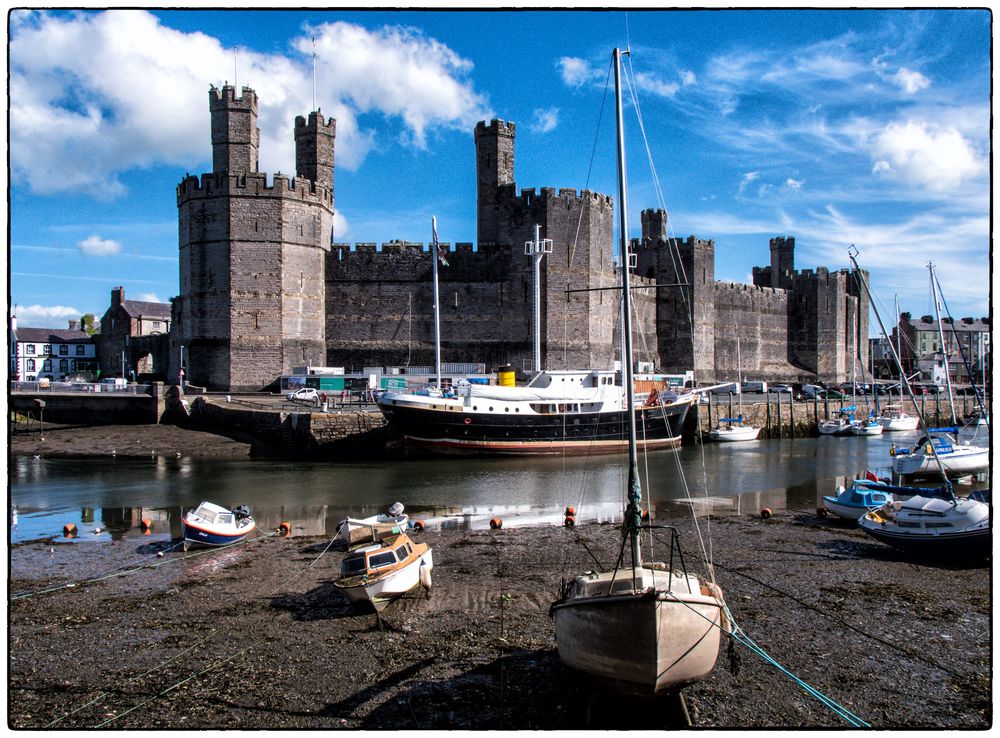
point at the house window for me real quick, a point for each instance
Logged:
(29, 365)
(63, 365)
(81, 350)
(46, 349)
(29, 348)
(63, 350)
(47, 366)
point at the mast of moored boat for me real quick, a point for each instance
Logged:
(437, 305)
(944, 350)
(633, 517)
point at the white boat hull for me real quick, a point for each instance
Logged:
(738, 433)
(962, 460)
(833, 428)
(907, 423)
(847, 512)
(867, 430)
(381, 591)
(640, 643)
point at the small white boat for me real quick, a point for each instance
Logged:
(213, 525)
(379, 573)
(838, 426)
(894, 419)
(733, 429)
(869, 427)
(394, 516)
(957, 459)
(931, 525)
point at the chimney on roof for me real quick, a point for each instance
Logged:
(117, 296)
(72, 325)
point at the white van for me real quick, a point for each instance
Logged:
(810, 391)
(760, 387)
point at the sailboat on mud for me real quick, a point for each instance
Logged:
(652, 627)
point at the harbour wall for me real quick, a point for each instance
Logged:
(92, 408)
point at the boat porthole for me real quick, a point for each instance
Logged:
(491, 408)
(468, 420)
(506, 409)
(475, 407)
(517, 409)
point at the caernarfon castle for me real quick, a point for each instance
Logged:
(264, 289)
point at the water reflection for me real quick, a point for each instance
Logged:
(115, 495)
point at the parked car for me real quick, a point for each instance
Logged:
(809, 391)
(782, 388)
(729, 388)
(306, 394)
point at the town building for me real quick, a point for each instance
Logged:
(134, 338)
(966, 344)
(51, 353)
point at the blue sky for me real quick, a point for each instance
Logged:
(833, 126)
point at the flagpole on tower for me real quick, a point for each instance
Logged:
(314, 73)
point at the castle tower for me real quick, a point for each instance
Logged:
(314, 148)
(252, 266)
(235, 137)
(782, 262)
(494, 177)
(654, 225)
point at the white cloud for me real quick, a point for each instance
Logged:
(97, 246)
(925, 155)
(654, 85)
(747, 179)
(577, 72)
(793, 184)
(688, 77)
(544, 120)
(45, 316)
(141, 97)
(910, 81)
(147, 297)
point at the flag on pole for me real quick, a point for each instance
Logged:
(437, 248)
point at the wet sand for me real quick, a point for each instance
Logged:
(256, 636)
(127, 441)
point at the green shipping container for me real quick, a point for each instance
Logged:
(325, 384)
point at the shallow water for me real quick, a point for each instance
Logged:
(115, 495)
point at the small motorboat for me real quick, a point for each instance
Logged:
(894, 419)
(852, 502)
(839, 425)
(733, 429)
(872, 426)
(932, 525)
(355, 530)
(213, 525)
(940, 451)
(379, 573)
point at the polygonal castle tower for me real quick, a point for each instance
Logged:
(252, 254)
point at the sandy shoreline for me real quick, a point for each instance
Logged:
(258, 637)
(127, 441)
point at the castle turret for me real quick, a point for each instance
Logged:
(314, 148)
(654, 225)
(235, 137)
(782, 262)
(494, 170)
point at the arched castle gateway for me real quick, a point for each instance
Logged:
(263, 290)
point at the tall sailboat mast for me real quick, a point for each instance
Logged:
(633, 515)
(944, 349)
(437, 303)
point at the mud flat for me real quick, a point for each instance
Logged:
(256, 636)
(127, 441)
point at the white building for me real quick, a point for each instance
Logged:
(51, 352)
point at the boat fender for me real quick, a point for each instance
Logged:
(570, 511)
(146, 524)
(645, 515)
(285, 528)
(419, 525)
(892, 449)
(928, 449)
(496, 523)
(468, 421)
(765, 513)
(69, 530)
(570, 521)
(425, 575)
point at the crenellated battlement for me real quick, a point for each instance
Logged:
(214, 184)
(226, 98)
(496, 127)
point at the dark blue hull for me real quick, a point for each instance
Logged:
(199, 536)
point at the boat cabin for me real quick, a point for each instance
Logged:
(377, 558)
(211, 514)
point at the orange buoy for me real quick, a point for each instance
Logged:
(645, 514)
(419, 525)
(570, 521)
(69, 530)
(146, 524)
(496, 523)
(570, 511)
(765, 513)
(285, 528)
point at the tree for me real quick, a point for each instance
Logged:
(89, 324)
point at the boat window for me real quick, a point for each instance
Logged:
(855, 497)
(907, 524)
(386, 558)
(352, 565)
(938, 525)
(878, 498)
(401, 553)
(225, 519)
(623, 586)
